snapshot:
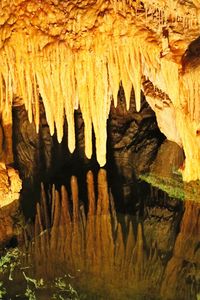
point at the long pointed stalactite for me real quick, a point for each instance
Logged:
(76, 54)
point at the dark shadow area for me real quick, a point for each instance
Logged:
(133, 141)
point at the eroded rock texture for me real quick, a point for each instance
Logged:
(9, 216)
(75, 54)
(169, 159)
(10, 185)
(162, 216)
(133, 142)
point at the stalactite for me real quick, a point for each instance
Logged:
(138, 254)
(78, 231)
(56, 222)
(65, 77)
(91, 194)
(74, 188)
(119, 249)
(39, 217)
(65, 206)
(52, 192)
(113, 211)
(130, 245)
(44, 207)
(104, 234)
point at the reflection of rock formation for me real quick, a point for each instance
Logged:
(110, 255)
(94, 243)
(162, 216)
(182, 275)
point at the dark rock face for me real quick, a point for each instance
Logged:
(32, 153)
(133, 141)
(162, 216)
(8, 223)
(168, 160)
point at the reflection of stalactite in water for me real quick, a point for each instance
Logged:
(181, 277)
(94, 243)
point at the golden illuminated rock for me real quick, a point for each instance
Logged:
(10, 185)
(75, 53)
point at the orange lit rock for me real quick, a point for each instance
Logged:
(10, 185)
(76, 53)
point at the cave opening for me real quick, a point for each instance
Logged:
(133, 141)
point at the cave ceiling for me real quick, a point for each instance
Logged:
(75, 54)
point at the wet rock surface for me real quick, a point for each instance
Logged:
(169, 159)
(162, 216)
(8, 223)
(133, 142)
(132, 134)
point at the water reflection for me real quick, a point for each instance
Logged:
(182, 274)
(111, 256)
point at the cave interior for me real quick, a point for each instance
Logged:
(100, 149)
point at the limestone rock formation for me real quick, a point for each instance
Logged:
(75, 54)
(10, 185)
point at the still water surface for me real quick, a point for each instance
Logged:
(90, 249)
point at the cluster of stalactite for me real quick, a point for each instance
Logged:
(94, 242)
(75, 54)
